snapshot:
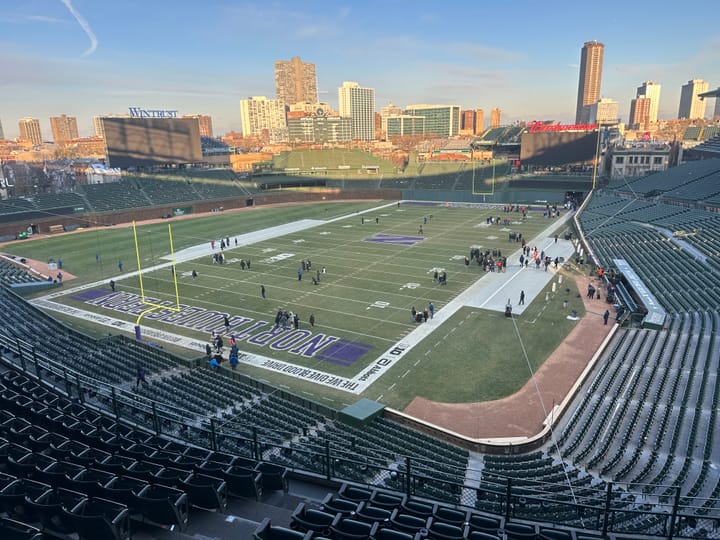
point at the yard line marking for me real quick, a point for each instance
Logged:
(418, 361)
(403, 375)
(391, 386)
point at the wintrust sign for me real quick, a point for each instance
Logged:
(137, 112)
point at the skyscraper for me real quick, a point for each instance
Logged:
(264, 117)
(30, 130)
(639, 112)
(388, 110)
(359, 104)
(441, 120)
(495, 117)
(295, 81)
(205, 122)
(98, 122)
(691, 106)
(604, 112)
(2, 133)
(467, 122)
(591, 60)
(651, 90)
(479, 121)
(64, 128)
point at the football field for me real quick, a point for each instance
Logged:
(358, 275)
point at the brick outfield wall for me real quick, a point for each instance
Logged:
(198, 207)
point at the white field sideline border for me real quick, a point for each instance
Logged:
(357, 384)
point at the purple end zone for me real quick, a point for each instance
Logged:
(90, 294)
(395, 239)
(343, 352)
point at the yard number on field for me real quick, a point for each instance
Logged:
(378, 304)
(410, 286)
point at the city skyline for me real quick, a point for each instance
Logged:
(203, 59)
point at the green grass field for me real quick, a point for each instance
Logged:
(364, 298)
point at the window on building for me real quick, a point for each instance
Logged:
(657, 160)
(619, 159)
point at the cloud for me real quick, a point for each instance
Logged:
(43, 18)
(289, 21)
(84, 25)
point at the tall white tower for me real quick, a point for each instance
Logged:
(651, 90)
(358, 104)
(263, 116)
(691, 106)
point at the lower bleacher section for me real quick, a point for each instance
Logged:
(194, 440)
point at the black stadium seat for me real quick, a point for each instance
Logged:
(346, 528)
(477, 535)
(519, 531)
(390, 534)
(164, 506)
(274, 477)
(50, 507)
(16, 530)
(445, 531)
(205, 491)
(242, 482)
(125, 490)
(408, 522)
(310, 519)
(370, 514)
(99, 519)
(337, 505)
(266, 531)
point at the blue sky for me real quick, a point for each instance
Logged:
(88, 57)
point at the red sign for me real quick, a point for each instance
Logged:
(537, 127)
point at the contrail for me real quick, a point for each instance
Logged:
(84, 25)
